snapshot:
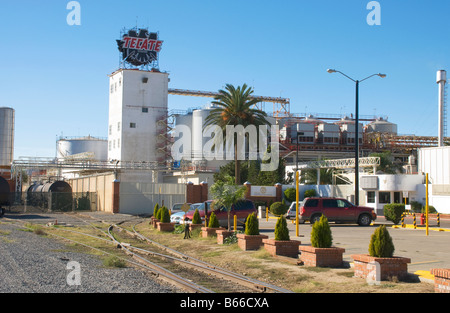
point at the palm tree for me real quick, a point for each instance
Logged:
(236, 106)
(226, 194)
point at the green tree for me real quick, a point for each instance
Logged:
(235, 106)
(387, 163)
(196, 218)
(213, 221)
(321, 234)
(252, 225)
(381, 244)
(281, 229)
(290, 194)
(226, 194)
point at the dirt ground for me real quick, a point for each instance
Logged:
(260, 265)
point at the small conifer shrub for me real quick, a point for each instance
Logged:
(155, 210)
(321, 234)
(164, 215)
(281, 229)
(213, 221)
(381, 245)
(252, 225)
(196, 218)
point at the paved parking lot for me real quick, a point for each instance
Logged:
(425, 252)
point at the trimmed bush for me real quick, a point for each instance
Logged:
(155, 210)
(281, 229)
(252, 225)
(290, 194)
(381, 245)
(164, 215)
(309, 193)
(321, 234)
(213, 221)
(196, 218)
(278, 208)
(393, 212)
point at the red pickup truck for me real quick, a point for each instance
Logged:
(336, 210)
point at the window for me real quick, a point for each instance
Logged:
(109, 145)
(118, 143)
(118, 126)
(243, 205)
(311, 203)
(385, 197)
(342, 204)
(397, 197)
(112, 88)
(110, 129)
(371, 197)
(329, 203)
(132, 125)
(144, 110)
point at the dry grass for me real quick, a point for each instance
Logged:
(260, 265)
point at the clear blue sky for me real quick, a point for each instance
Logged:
(55, 75)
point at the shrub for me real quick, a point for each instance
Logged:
(196, 218)
(393, 212)
(278, 208)
(213, 221)
(114, 261)
(416, 206)
(252, 225)
(321, 234)
(281, 229)
(309, 193)
(164, 215)
(381, 244)
(155, 210)
(290, 194)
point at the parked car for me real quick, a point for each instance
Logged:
(291, 211)
(177, 207)
(336, 210)
(178, 217)
(242, 209)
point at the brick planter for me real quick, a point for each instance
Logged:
(389, 267)
(250, 242)
(287, 248)
(222, 234)
(165, 226)
(155, 222)
(195, 226)
(441, 280)
(210, 232)
(321, 257)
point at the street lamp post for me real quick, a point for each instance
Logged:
(356, 127)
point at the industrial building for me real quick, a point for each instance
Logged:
(133, 168)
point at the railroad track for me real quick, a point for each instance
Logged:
(199, 265)
(205, 273)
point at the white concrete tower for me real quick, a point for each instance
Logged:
(441, 80)
(137, 115)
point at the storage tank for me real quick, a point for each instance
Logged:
(71, 146)
(198, 141)
(381, 125)
(55, 196)
(6, 136)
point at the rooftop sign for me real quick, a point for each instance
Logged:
(139, 47)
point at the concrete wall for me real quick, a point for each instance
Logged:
(102, 184)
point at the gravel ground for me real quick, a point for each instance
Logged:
(34, 264)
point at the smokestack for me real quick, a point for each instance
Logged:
(441, 80)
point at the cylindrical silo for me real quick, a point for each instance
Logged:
(70, 146)
(198, 120)
(6, 136)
